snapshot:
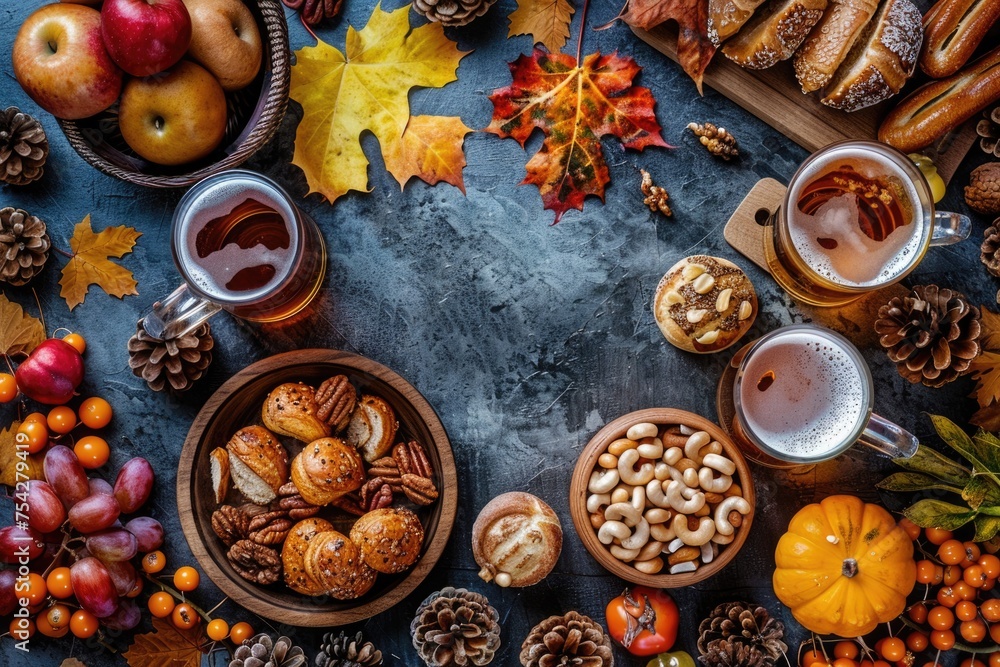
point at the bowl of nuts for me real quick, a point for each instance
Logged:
(662, 497)
(317, 488)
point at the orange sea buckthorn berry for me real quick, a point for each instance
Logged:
(844, 662)
(46, 628)
(925, 571)
(32, 435)
(240, 632)
(83, 624)
(994, 660)
(161, 604)
(973, 631)
(912, 529)
(940, 618)
(77, 341)
(58, 616)
(917, 642)
(951, 552)
(947, 597)
(942, 640)
(974, 576)
(35, 591)
(952, 575)
(964, 591)
(846, 649)
(95, 412)
(937, 536)
(154, 562)
(893, 649)
(971, 662)
(59, 584)
(918, 613)
(995, 632)
(217, 630)
(61, 419)
(186, 579)
(93, 451)
(966, 610)
(990, 565)
(8, 388)
(184, 617)
(990, 609)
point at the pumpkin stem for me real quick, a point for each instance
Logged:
(850, 568)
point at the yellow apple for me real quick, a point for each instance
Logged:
(225, 40)
(175, 117)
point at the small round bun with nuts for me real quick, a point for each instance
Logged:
(704, 304)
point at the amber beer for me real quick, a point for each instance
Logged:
(242, 245)
(856, 216)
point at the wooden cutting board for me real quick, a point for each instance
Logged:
(773, 95)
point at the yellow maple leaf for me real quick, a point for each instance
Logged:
(365, 88)
(990, 336)
(19, 333)
(9, 459)
(71, 662)
(547, 21)
(986, 370)
(431, 149)
(166, 645)
(91, 264)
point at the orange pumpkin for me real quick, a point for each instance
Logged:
(843, 567)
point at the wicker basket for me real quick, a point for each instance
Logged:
(254, 116)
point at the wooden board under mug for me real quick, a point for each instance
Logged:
(773, 95)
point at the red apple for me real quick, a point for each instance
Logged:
(51, 373)
(60, 60)
(145, 36)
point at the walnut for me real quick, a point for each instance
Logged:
(291, 501)
(717, 140)
(269, 527)
(983, 192)
(376, 494)
(255, 562)
(230, 524)
(656, 197)
(411, 458)
(336, 399)
(419, 490)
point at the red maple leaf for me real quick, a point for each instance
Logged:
(574, 105)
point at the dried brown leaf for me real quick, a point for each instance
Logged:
(9, 459)
(547, 21)
(71, 662)
(166, 646)
(19, 333)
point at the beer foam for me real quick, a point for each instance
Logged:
(213, 273)
(816, 400)
(831, 240)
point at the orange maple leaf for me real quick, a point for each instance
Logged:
(694, 48)
(91, 264)
(166, 646)
(574, 105)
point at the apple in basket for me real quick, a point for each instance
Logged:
(145, 36)
(60, 61)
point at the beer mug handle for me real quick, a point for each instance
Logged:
(950, 228)
(885, 437)
(180, 313)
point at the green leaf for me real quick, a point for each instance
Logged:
(935, 464)
(984, 457)
(915, 481)
(981, 489)
(986, 528)
(930, 513)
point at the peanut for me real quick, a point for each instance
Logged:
(713, 498)
(651, 566)
(734, 490)
(597, 520)
(735, 518)
(621, 445)
(608, 461)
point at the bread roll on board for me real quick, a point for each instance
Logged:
(953, 29)
(774, 33)
(830, 41)
(881, 60)
(936, 108)
(726, 17)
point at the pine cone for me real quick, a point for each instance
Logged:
(456, 627)
(989, 254)
(177, 362)
(451, 12)
(932, 334)
(572, 639)
(24, 245)
(717, 140)
(988, 130)
(742, 623)
(726, 653)
(262, 651)
(23, 147)
(344, 651)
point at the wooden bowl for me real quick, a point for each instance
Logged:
(238, 403)
(255, 114)
(588, 461)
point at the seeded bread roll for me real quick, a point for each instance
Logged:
(830, 41)
(327, 469)
(774, 33)
(881, 60)
(290, 409)
(293, 554)
(334, 562)
(704, 304)
(258, 464)
(389, 539)
(726, 17)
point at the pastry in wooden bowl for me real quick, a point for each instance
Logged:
(704, 304)
(293, 555)
(220, 474)
(334, 561)
(774, 32)
(372, 428)
(290, 409)
(516, 540)
(389, 539)
(327, 469)
(258, 463)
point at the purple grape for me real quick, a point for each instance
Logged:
(17, 542)
(45, 511)
(93, 587)
(123, 574)
(134, 484)
(113, 545)
(68, 479)
(125, 618)
(8, 598)
(94, 513)
(147, 531)
(98, 485)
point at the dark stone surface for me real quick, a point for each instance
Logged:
(525, 337)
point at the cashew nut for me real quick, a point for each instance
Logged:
(679, 504)
(657, 515)
(607, 461)
(611, 530)
(694, 444)
(655, 495)
(643, 430)
(623, 512)
(629, 474)
(639, 538)
(709, 482)
(661, 532)
(714, 447)
(651, 550)
(597, 500)
(602, 481)
(690, 477)
(651, 566)
(685, 429)
(689, 492)
(719, 538)
(737, 503)
(695, 538)
(621, 494)
(673, 455)
(621, 445)
(597, 519)
(661, 471)
(623, 554)
(650, 448)
(720, 463)
(639, 498)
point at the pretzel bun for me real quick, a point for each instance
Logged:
(726, 17)
(953, 29)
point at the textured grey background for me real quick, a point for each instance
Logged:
(525, 337)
